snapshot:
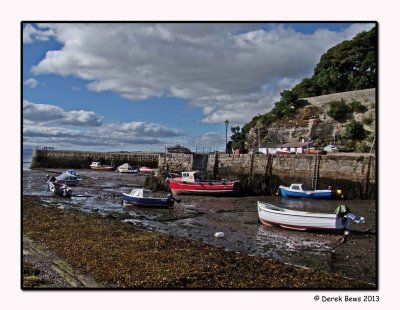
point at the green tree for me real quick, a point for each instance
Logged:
(286, 105)
(238, 138)
(358, 107)
(355, 131)
(306, 88)
(350, 65)
(339, 110)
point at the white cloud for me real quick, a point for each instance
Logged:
(41, 112)
(142, 129)
(31, 34)
(45, 124)
(229, 71)
(213, 139)
(41, 131)
(50, 113)
(32, 83)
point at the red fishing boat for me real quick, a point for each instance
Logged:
(145, 169)
(97, 166)
(190, 183)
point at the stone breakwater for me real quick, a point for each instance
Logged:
(82, 160)
(355, 174)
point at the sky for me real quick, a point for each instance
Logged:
(147, 86)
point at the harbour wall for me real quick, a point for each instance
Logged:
(355, 174)
(82, 160)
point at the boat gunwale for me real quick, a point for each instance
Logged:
(307, 192)
(296, 213)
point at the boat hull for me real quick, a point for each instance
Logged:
(102, 168)
(127, 171)
(316, 194)
(145, 170)
(148, 202)
(298, 220)
(203, 188)
(68, 182)
(60, 190)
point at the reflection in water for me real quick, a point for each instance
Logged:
(273, 242)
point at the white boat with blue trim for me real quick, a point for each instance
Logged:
(144, 198)
(301, 191)
(306, 221)
(69, 177)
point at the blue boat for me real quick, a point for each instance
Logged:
(68, 178)
(143, 198)
(300, 191)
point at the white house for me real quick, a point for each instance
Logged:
(331, 149)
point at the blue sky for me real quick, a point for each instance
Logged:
(142, 86)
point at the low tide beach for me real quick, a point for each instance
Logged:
(91, 240)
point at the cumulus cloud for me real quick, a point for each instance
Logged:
(212, 139)
(100, 138)
(232, 71)
(41, 131)
(142, 129)
(32, 83)
(31, 34)
(48, 113)
(45, 124)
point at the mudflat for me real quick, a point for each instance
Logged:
(66, 248)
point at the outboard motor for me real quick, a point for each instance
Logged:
(355, 218)
(345, 212)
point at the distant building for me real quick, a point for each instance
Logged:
(178, 149)
(331, 149)
(295, 147)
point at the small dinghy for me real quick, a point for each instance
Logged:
(60, 189)
(310, 221)
(144, 198)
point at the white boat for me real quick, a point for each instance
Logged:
(96, 165)
(301, 220)
(126, 168)
(74, 172)
(59, 189)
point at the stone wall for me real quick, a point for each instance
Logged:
(336, 166)
(364, 96)
(348, 172)
(175, 163)
(82, 160)
(353, 173)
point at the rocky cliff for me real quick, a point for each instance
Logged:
(313, 122)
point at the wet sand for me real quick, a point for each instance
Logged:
(188, 228)
(120, 255)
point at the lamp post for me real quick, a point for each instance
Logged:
(226, 136)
